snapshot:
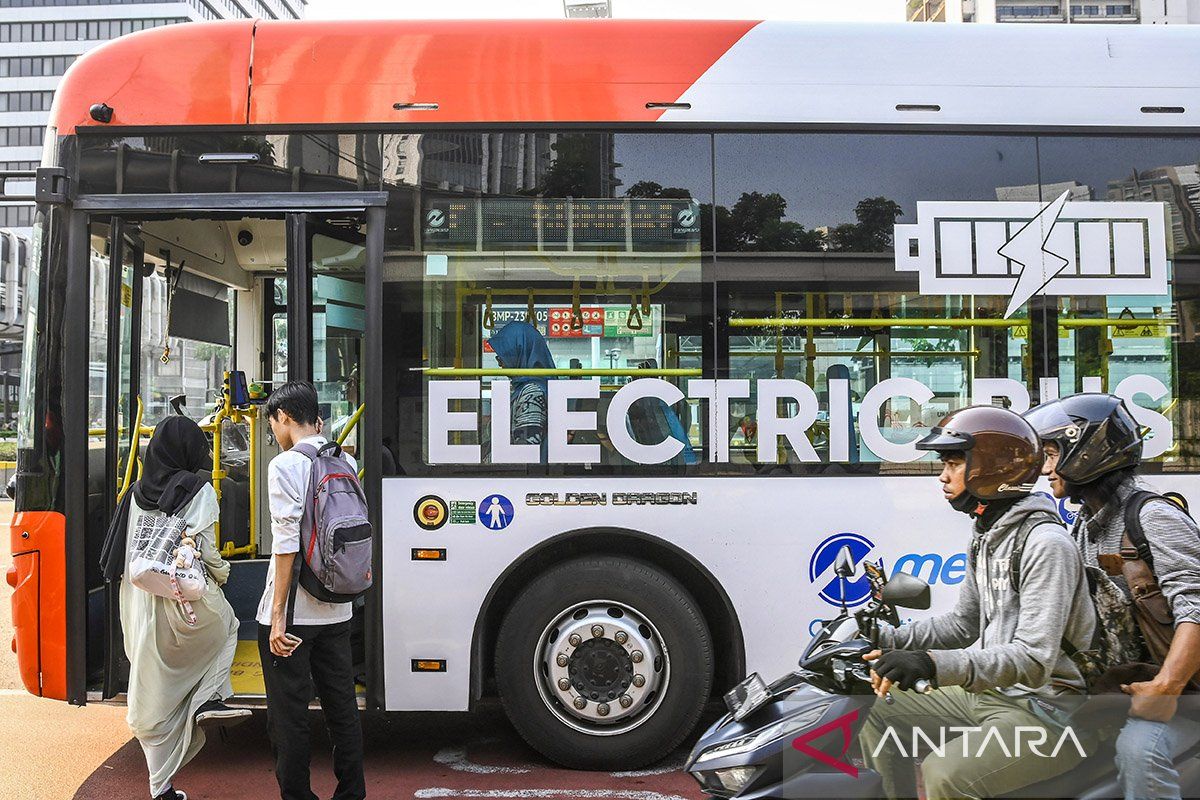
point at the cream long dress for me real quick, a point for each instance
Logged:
(176, 667)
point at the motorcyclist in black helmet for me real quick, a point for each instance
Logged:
(1018, 677)
(1093, 447)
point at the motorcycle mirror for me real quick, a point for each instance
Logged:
(906, 591)
(843, 566)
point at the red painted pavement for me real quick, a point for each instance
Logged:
(427, 755)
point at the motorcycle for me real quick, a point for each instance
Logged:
(791, 738)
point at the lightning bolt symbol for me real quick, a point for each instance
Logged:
(1027, 247)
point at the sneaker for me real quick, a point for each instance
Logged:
(214, 712)
(172, 794)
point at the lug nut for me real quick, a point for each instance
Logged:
(639, 681)
(626, 701)
(574, 640)
(621, 637)
(564, 684)
(637, 656)
(602, 709)
(597, 631)
(562, 660)
(580, 703)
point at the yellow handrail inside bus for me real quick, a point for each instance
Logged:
(870, 322)
(147, 430)
(351, 424)
(939, 322)
(135, 440)
(467, 372)
(236, 415)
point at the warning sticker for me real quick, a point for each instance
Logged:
(462, 512)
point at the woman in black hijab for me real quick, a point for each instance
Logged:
(178, 450)
(178, 663)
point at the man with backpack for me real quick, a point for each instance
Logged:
(1018, 679)
(1151, 547)
(304, 640)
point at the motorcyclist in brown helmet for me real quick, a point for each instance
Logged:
(1018, 677)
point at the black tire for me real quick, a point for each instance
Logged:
(669, 608)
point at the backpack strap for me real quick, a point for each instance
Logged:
(330, 447)
(311, 453)
(308, 451)
(1031, 521)
(1133, 523)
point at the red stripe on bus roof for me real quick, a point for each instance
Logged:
(495, 71)
(354, 72)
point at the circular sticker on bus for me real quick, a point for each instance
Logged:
(496, 512)
(430, 512)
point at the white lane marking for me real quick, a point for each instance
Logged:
(527, 794)
(674, 765)
(456, 759)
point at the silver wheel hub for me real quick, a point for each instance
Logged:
(601, 667)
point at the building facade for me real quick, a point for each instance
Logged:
(1145, 12)
(40, 39)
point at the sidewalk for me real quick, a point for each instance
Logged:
(54, 751)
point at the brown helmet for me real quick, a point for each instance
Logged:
(1002, 450)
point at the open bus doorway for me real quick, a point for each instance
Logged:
(188, 318)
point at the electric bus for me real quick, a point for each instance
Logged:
(631, 325)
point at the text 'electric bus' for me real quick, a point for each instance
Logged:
(631, 324)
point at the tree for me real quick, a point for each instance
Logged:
(758, 224)
(652, 189)
(872, 233)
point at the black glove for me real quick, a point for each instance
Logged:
(905, 667)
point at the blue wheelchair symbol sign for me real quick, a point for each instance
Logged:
(496, 512)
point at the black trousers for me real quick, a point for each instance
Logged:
(322, 660)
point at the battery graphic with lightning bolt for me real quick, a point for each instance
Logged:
(1020, 249)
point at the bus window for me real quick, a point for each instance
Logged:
(1142, 347)
(806, 263)
(338, 314)
(555, 269)
(286, 162)
(339, 321)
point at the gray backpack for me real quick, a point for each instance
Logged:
(335, 532)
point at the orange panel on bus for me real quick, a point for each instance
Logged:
(495, 71)
(39, 601)
(194, 74)
(317, 73)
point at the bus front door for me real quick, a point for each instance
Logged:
(179, 299)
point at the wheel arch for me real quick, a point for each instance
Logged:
(719, 613)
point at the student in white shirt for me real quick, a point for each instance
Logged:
(315, 649)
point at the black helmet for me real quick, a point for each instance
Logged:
(1095, 434)
(1002, 451)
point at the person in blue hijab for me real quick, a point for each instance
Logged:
(519, 345)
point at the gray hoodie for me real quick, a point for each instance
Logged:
(1020, 647)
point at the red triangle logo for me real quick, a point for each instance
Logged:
(845, 723)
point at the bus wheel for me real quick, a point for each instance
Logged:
(604, 663)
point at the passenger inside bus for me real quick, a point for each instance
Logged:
(518, 345)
